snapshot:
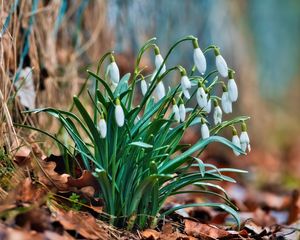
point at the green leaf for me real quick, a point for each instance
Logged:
(141, 144)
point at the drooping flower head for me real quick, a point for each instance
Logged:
(201, 95)
(232, 87)
(217, 112)
(113, 71)
(245, 140)
(144, 86)
(102, 126)
(159, 61)
(182, 110)
(221, 63)
(160, 90)
(119, 113)
(175, 110)
(199, 58)
(235, 141)
(185, 83)
(204, 129)
(225, 101)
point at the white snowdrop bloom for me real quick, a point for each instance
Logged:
(225, 101)
(160, 90)
(144, 87)
(113, 71)
(187, 94)
(204, 130)
(159, 61)
(236, 142)
(232, 87)
(102, 128)
(182, 111)
(245, 140)
(119, 114)
(201, 97)
(221, 64)
(185, 82)
(175, 110)
(207, 108)
(217, 113)
(199, 60)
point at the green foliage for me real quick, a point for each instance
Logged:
(140, 164)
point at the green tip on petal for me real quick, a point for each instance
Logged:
(244, 127)
(195, 43)
(234, 131)
(216, 103)
(156, 50)
(118, 101)
(112, 58)
(231, 73)
(217, 51)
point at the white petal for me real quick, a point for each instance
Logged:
(201, 97)
(226, 103)
(204, 131)
(182, 112)
(119, 115)
(176, 113)
(217, 115)
(199, 60)
(158, 62)
(236, 142)
(185, 83)
(232, 90)
(144, 87)
(207, 107)
(102, 128)
(221, 66)
(160, 90)
(114, 73)
(186, 93)
(245, 141)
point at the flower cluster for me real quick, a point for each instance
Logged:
(205, 100)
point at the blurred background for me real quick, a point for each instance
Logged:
(59, 40)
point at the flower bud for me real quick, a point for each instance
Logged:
(217, 113)
(225, 101)
(175, 111)
(144, 87)
(199, 58)
(245, 140)
(235, 141)
(201, 96)
(113, 71)
(119, 114)
(160, 90)
(204, 129)
(159, 61)
(185, 84)
(232, 87)
(102, 127)
(221, 64)
(182, 111)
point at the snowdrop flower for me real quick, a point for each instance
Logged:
(160, 90)
(221, 64)
(245, 141)
(217, 113)
(199, 58)
(225, 101)
(144, 86)
(185, 84)
(232, 87)
(175, 111)
(201, 96)
(102, 127)
(235, 141)
(207, 108)
(119, 114)
(204, 129)
(159, 61)
(113, 71)
(182, 111)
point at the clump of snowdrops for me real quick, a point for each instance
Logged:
(135, 151)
